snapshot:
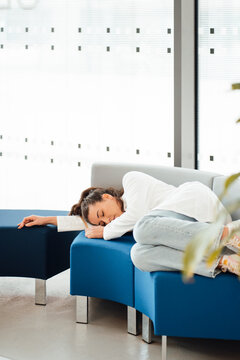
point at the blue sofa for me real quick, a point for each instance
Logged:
(38, 252)
(204, 308)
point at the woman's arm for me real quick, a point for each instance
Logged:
(121, 225)
(37, 220)
(70, 223)
(63, 223)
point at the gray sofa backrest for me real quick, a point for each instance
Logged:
(111, 174)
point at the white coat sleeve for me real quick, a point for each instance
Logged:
(135, 185)
(120, 226)
(69, 223)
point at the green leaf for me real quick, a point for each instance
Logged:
(236, 86)
(213, 256)
(229, 181)
(238, 121)
(232, 206)
(198, 247)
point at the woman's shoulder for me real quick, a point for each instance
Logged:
(135, 176)
(135, 181)
(132, 174)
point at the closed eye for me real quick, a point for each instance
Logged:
(102, 223)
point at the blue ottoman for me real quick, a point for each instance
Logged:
(204, 308)
(38, 252)
(102, 269)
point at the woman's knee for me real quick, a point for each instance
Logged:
(141, 257)
(137, 256)
(141, 230)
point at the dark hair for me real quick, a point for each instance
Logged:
(92, 195)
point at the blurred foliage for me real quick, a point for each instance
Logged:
(201, 246)
(236, 86)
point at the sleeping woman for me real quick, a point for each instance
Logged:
(163, 218)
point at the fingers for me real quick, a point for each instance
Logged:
(32, 223)
(94, 232)
(21, 225)
(87, 233)
(28, 221)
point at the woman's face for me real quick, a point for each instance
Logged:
(105, 211)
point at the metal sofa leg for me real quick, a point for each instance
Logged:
(164, 347)
(40, 292)
(82, 309)
(146, 329)
(132, 321)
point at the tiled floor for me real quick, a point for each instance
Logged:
(30, 332)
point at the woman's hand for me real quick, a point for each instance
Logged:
(94, 232)
(37, 220)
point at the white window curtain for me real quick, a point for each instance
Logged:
(81, 81)
(219, 67)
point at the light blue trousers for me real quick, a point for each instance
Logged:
(162, 237)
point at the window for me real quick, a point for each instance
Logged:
(218, 62)
(81, 81)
